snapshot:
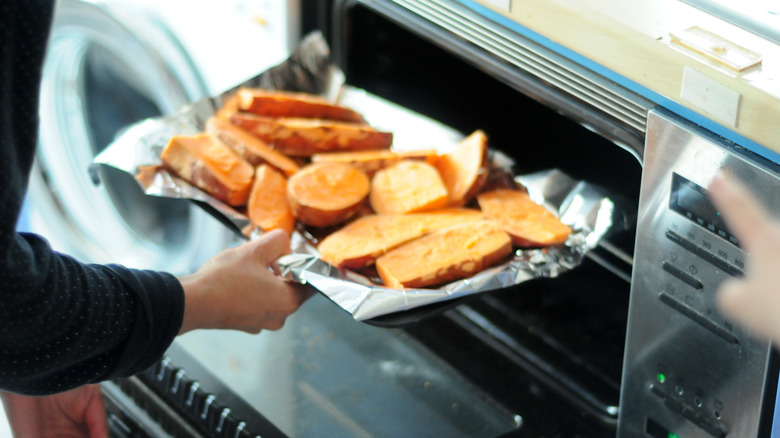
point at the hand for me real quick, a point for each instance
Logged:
(753, 301)
(76, 413)
(236, 289)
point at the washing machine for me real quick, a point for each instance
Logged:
(112, 63)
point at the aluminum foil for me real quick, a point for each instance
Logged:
(583, 206)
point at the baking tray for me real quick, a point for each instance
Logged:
(588, 209)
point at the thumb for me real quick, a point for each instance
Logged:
(270, 246)
(95, 416)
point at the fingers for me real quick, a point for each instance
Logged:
(743, 214)
(95, 415)
(271, 245)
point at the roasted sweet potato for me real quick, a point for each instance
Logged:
(228, 108)
(371, 161)
(464, 170)
(288, 104)
(207, 163)
(529, 224)
(249, 147)
(326, 194)
(267, 207)
(359, 243)
(299, 137)
(444, 255)
(409, 186)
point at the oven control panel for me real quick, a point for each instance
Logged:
(688, 371)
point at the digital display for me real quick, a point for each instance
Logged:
(692, 201)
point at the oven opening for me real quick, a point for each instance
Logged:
(550, 350)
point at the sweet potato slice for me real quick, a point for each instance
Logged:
(359, 243)
(249, 147)
(289, 104)
(371, 161)
(445, 255)
(409, 186)
(465, 169)
(326, 194)
(207, 163)
(529, 223)
(267, 207)
(300, 137)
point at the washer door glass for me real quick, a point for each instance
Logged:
(109, 66)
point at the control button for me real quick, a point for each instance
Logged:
(704, 423)
(687, 278)
(735, 271)
(704, 254)
(191, 394)
(697, 317)
(714, 429)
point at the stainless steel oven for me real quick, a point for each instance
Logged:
(628, 344)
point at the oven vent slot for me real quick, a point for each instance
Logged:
(536, 60)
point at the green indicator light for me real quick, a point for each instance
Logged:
(673, 435)
(662, 378)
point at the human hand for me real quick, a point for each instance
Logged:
(76, 413)
(752, 301)
(236, 290)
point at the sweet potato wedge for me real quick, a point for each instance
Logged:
(408, 186)
(299, 137)
(444, 255)
(529, 224)
(464, 170)
(228, 108)
(289, 104)
(267, 207)
(325, 194)
(249, 147)
(360, 242)
(208, 164)
(371, 161)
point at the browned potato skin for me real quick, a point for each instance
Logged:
(290, 104)
(299, 137)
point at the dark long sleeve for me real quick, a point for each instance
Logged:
(62, 323)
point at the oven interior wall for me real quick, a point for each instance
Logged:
(549, 349)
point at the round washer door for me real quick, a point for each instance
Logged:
(108, 66)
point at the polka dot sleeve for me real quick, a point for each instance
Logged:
(62, 323)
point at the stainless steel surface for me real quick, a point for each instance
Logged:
(324, 374)
(684, 362)
(524, 55)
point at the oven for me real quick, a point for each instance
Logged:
(627, 344)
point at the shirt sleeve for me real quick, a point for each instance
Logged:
(63, 323)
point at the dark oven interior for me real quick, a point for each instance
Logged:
(549, 349)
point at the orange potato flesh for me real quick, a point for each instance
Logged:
(325, 194)
(465, 169)
(444, 255)
(372, 161)
(251, 148)
(409, 186)
(267, 207)
(529, 223)
(209, 164)
(359, 243)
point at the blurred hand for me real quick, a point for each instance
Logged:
(75, 413)
(753, 301)
(236, 289)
